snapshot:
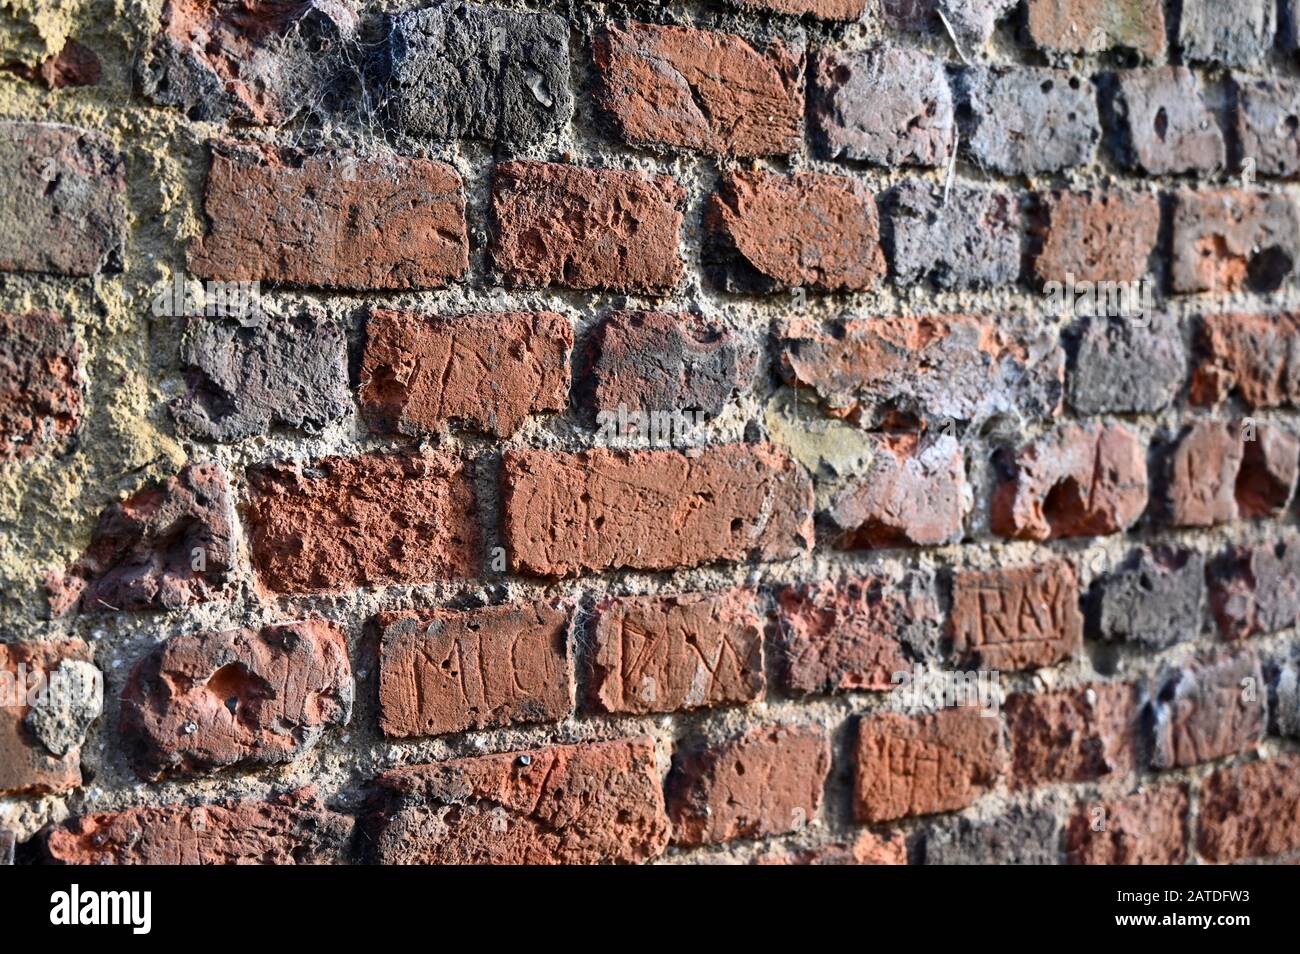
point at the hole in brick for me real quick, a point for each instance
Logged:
(1162, 124)
(1269, 269)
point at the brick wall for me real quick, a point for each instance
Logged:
(632, 394)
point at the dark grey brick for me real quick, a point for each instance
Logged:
(889, 106)
(1209, 709)
(1231, 32)
(246, 375)
(1286, 700)
(1268, 122)
(1126, 366)
(259, 63)
(7, 842)
(1156, 599)
(461, 70)
(1028, 120)
(972, 242)
(1020, 837)
(1163, 124)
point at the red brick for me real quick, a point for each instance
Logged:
(675, 653)
(292, 829)
(1079, 481)
(699, 89)
(1106, 237)
(768, 231)
(912, 493)
(1223, 471)
(868, 848)
(851, 634)
(653, 510)
(1016, 618)
(74, 65)
(167, 546)
(332, 220)
(1233, 241)
(595, 803)
(586, 228)
(1208, 710)
(1250, 356)
(909, 766)
(40, 383)
(344, 522)
(65, 200)
(952, 367)
(28, 764)
(766, 782)
(451, 670)
(654, 362)
(821, 9)
(490, 371)
(1094, 26)
(1149, 828)
(1074, 735)
(202, 701)
(1250, 811)
(1256, 589)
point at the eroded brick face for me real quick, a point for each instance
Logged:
(1019, 618)
(450, 670)
(41, 385)
(676, 653)
(41, 756)
(1209, 709)
(1250, 811)
(1149, 828)
(594, 803)
(1073, 735)
(1233, 241)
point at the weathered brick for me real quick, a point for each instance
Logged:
(1082, 480)
(935, 369)
(908, 766)
(291, 829)
(766, 782)
(1020, 836)
(419, 374)
(650, 361)
(868, 848)
(675, 653)
(1255, 590)
(586, 228)
(461, 69)
(1148, 828)
(1095, 26)
(913, 493)
(971, 22)
(767, 231)
(1254, 357)
(1028, 120)
(653, 510)
(74, 65)
(1074, 735)
(855, 633)
(821, 9)
(595, 803)
(1126, 366)
(1268, 124)
(253, 62)
(1250, 811)
(7, 843)
(344, 522)
(1284, 700)
(700, 89)
(1164, 125)
(1155, 599)
(43, 723)
(1223, 471)
(1096, 237)
(169, 545)
(450, 670)
(890, 106)
(1016, 618)
(1209, 709)
(64, 206)
(330, 220)
(970, 241)
(40, 383)
(245, 377)
(1233, 34)
(1232, 241)
(202, 701)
